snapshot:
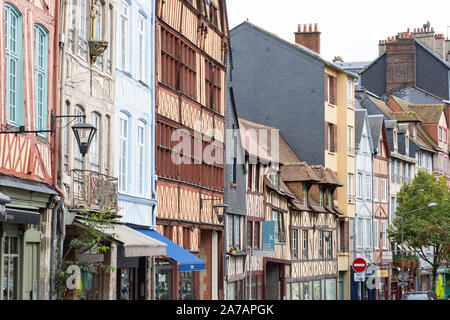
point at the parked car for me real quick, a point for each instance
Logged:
(420, 295)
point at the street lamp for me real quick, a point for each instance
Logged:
(431, 205)
(219, 209)
(84, 134)
(4, 199)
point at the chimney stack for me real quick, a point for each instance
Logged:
(310, 38)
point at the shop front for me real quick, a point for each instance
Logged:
(23, 208)
(176, 275)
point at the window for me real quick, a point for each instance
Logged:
(249, 234)
(393, 207)
(107, 143)
(329, 239)
(305, 195)
(440, 133)
(349, 93)
(256, 242)
(383, 191)
(294, 244)
(78, 159)
(415, 130)
(14, 66)
(212, 83)
(368, 186)
(305, 244)
(41, 76)
(331, 137)
(66, 138)
(368, 233)
(141, 42)
(350, 140)
(360, 233)
(273, 177)
(11, 268)
(321, 236)
(375, 189)
(230, 231)
(250, 177)
(393, 171)
(95, 146)
(257, 177)
(140, 157)
(279, 226)
(124, 36)
(237, 232)
(321, 203)
(384, 236)
(98, 32)
(178, 64)
(123, 153)
(360, 185)
(82, 33)
(407, 145)
(70, 26)
(331, 89)
(350, 187)
(375, 234)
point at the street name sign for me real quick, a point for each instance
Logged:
(359, 265)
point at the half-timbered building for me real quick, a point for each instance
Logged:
(380, 204)
(28, 98)
(191, 43)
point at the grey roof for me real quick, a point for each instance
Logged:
(298, 47)
(412, 95)
(353, 65)
(376, 125)
(359, 124)
(434, 54)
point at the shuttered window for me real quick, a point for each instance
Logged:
(41, 77)
(14, 66)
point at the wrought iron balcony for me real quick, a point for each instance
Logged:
(93, 190)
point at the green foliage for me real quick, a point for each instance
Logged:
(428, 227)
(95, 238)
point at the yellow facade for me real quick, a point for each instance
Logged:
(342, 114)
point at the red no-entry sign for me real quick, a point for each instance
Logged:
(359, 265)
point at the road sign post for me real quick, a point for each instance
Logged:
(359, 265)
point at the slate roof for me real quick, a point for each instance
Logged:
(375, 125)
(412, 94)
(359, 124)
(298, 47)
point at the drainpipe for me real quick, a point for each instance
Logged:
(56, 209)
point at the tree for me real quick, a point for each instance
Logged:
(96, 237)
(425, 228)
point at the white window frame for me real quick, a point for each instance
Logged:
(368, 186)
(350, 139)
(94, 153)
(142, 48)
(140, 189)
(83, 32)
(376, 234)
(375, 189)
(359, 234)
(383, 190)
(350, 187)
(359, 185)
(123, 152)
(124, 39)
(384, 238)
(350, 93)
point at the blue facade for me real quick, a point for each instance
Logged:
(134, 143)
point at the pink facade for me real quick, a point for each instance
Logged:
(28, 156)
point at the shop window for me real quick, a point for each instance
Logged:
(10, 264)
(186, 286)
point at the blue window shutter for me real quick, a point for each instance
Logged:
(14, 66)
(41, 77)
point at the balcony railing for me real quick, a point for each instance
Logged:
(93, 190)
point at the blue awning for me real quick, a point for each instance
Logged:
(186, 260)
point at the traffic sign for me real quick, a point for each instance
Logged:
(359, 277)
(359, 265)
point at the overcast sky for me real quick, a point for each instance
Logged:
(350, 28)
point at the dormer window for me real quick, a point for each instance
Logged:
(321, 197)
(395, 140)
(305, 195)
(407, 144)
(273, 177)
(415, 130)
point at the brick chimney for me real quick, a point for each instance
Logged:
(400, 62)
(308, 37)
